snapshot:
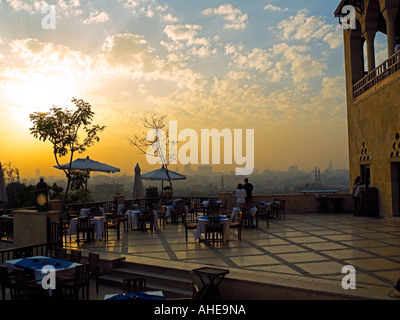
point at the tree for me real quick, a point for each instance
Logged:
(158, 140)
(62, 127)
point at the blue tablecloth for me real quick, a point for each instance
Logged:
(36, 263)
(205, 218)
(135, 296)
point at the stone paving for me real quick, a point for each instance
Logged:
(312, 246)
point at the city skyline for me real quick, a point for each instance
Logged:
(275, 67)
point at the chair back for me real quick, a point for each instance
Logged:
(246, 217)
(4, 276)
(83, 224)
(213, 224)
(82, 274)
(21, 280)
(76, 255)
(212, 209)
(94, 259)
(134, 285)
(61, 253)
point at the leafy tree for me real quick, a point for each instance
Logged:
(62, 127)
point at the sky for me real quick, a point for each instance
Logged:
(275, 67)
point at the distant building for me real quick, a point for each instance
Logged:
(187, 169)
(204, 170)
(373, 102)
(330, 166)
(293, 169)
(104, 192)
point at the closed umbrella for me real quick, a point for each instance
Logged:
(138, 184)
(3, 192)
(86, 164)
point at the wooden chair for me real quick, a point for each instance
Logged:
(237, 225)
(146, 218)
(72, 285)
(61, 253)
(161, 216)
(7, 281)
(75, 256)
(282, 209)
(112, 224)
(123, 218)
(27, 288)
(190, 224)
(86, 228)
(262, 212)
(94, 261)
(247, 218)
(134, 285)
(214, 229)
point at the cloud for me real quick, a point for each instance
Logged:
(271, 7)
(97, 17)
(306, 28)
(235, 17)
(66, 7)
(187, 36)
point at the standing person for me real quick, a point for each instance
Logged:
(240, 195)
(249, 190)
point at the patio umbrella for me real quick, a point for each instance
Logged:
(3, 192)
(138, 184)
(86, 164)
(160, 174)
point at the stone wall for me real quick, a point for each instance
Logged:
(296, 203)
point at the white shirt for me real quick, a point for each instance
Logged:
(240, 195)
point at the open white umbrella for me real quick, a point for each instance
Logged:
(86, 164)
(160, 174)
(3, 192)
(138, 184)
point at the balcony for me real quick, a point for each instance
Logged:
(387, 68)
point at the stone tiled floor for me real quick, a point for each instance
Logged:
(314, 246)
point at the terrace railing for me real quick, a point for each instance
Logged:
(45, 249)
(380, 73)
(142, 203)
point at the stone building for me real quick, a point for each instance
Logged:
(373, 101)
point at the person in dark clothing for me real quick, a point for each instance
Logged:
(249, 190)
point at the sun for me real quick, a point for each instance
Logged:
(39, 93)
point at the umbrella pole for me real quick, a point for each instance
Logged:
(85, 190)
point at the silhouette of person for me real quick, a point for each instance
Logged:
(249, 190)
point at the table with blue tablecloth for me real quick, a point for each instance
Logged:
(236, 212)
(148, 295)
(37, 264)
